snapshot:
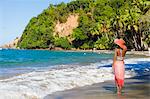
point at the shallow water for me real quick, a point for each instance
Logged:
(39, 73)
(135, 88)
(22, 61)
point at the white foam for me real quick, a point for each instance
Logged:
(40, 83)
(136, 60)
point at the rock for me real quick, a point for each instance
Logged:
(65, 29)
(12, 44)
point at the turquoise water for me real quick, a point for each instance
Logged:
(19, 61)
(13, 62)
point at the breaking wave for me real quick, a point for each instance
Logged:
(38, 84)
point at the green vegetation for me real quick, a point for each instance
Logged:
(100, 22)
(62, 42)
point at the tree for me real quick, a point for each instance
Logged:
(62, 42)
(100, 22)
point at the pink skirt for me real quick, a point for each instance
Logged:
(119, 73)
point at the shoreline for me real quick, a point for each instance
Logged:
(41, 83)
(137, 87)
(144, 53)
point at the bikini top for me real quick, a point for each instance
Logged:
(120, 57)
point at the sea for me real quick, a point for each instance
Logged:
(37, 73)
(14, 62)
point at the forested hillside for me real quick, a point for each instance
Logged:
(99, 22)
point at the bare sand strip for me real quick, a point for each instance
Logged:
(135, 88)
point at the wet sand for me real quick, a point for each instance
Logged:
(135, 88)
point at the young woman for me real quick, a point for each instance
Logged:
(118, 63)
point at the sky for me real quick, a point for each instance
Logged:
(15, 15)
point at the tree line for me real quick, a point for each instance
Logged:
(100, 22)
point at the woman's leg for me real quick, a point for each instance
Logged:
(117, 85)
(120, 85)
(119, 89)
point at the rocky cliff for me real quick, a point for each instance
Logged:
(66, 29)
(12, 44)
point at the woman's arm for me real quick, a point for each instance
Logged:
(124, 51)
(115, 58)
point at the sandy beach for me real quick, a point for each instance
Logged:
(140, 53)
(135, 88)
